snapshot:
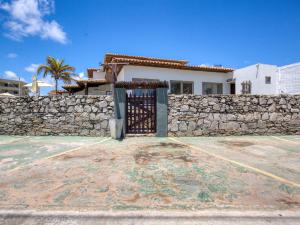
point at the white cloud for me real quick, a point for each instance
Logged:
(27, 18)
(10, 75)
(54, 31)
(32, 68)
(80, 76)
(48, 80)
(12, 55)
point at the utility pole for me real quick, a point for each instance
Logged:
(114, 68)
(19, 87)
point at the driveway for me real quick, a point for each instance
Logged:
(147, 173)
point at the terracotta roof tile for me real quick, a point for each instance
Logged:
(58, 92)
(110, 56)
(69, 86)
(80, 83)
(92, 81)
(155, 62)
(172, 65)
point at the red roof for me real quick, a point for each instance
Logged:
(158, 62)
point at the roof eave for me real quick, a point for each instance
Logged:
(108, 57)
(181, 67)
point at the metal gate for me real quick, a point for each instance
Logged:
(141, 112)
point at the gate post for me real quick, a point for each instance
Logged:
(119, 105)
(161, 112)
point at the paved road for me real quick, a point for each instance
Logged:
(152, 218)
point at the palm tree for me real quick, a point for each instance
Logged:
(57, 69)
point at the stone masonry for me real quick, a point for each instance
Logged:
(53, 115)
(191, 115)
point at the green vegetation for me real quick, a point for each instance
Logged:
(57, 69)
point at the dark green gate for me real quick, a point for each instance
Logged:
(143, 106)
(141, 113)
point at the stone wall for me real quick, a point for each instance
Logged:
(53, 115)
(191, 115)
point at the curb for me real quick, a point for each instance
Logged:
(277, 214)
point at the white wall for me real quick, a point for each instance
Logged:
(256, 74)
(121, 76)
(129, 72)
(289, 79)
(98, 75)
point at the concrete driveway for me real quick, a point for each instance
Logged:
(147, 173)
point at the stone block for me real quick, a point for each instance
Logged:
(174, 126)
(182, 126)
(184, 108)
(293, 110)
(192, 126)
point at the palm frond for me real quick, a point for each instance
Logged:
(66, 78)
(67, 68)
(57, 69)
(44, 69)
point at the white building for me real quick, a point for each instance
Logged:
(289, 79)
(268, 79)
(181, 81)
(13, 87)
(182, 77)
(263, 79)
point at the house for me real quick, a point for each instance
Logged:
(264, 79)
(182, 77)
(96, 84)
(13, 87)
(289, 79)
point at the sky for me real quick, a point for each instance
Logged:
(233, 33)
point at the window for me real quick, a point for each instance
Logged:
(268, 80)
(181, 87)
(212, 88)
(13, 85)
(175, 87)
(187, 88)
(246, 87)
(144, 80)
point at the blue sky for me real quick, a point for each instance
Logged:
(234, 33)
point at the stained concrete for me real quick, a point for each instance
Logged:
(18, 151)
(149, 173)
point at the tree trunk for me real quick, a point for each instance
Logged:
(55, 86)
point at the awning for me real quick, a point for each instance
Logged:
(231, 80)
(6, 95)
(40, 84)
